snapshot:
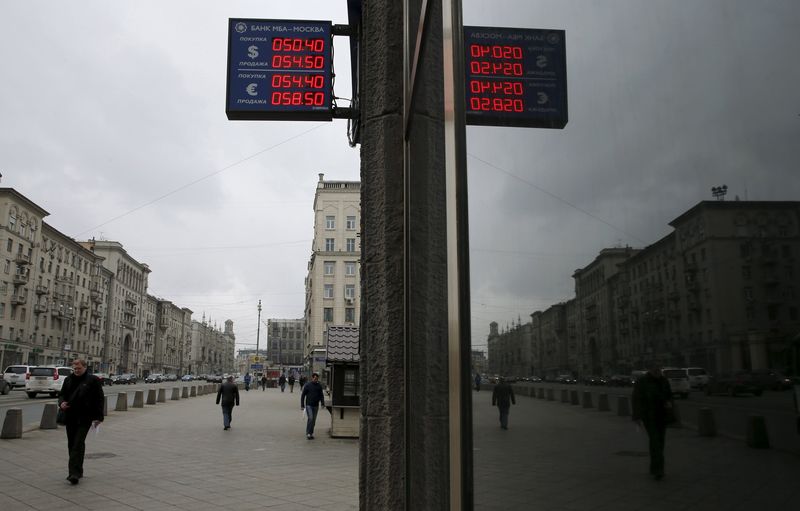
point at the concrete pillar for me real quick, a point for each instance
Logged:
(757, 436)
(551, 394)
(105, 405)
(138, 399)
(151, 396)
(623, 406)
(12, 425)
(564, 395)
(193, 391)
(176, 394)
(184, 392)
(49, 416)
(602, 403)
(540, 392)
(573, 397)
(122, 402)
(162, 395)
(706, 425)
(587, 399)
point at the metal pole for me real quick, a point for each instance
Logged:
(258, 328)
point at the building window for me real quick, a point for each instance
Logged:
(350, 291)
(746, 272)
(328, 293)
(349, 315)
(351, 223)
(349, 268)
(327, 314)
(2, 310)
(10, 245)
(329, 267)
(330, 222)
(330, 245)
(351, 244)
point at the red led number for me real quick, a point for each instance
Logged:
(298, 98)
(477, 67)
(296, 44)
(298, 61)
(305, 81)
(495, 87)
(496, 51)
(496, 105)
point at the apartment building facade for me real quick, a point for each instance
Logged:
(721, 291)
(332, 285)
(286, 342)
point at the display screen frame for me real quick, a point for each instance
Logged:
(250, 91)
(541, 55)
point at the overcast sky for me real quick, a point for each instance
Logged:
(112, 119)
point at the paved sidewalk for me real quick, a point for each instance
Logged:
(554, 457)
(562, 457)
(176, 456)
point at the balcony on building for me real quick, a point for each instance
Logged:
(84, 304)
(130, 307)
(96, 296)
(41, 289)
(96, 313)
(21, 258)
(18, 299)
(127, 323)
(64, 278)
(94, 327)
(39, 308)
(20, 278)
(163, 323)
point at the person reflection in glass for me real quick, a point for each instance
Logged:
(503, 397)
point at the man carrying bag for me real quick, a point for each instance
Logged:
(81, 404)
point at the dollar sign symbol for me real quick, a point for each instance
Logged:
(541, 61)
(252, 51)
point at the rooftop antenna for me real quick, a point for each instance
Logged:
(719, 192)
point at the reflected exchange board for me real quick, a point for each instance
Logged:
(515, 77)
(279, 70)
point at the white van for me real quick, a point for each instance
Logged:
(678, 380)
(698, 377)
(46, 380)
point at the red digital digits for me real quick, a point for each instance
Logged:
(298, 44)
(292, 85)
(295, 81)
(298, 98)
(495, 67)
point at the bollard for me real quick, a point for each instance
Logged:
(12, 426)
(602, 403)
(193, 391)
(706, 426)
(573, 396)
(162, 396)
(122, 402)
(176, 394)
(587, 399)
(757, 436)
(623, 406)
(138, 399)
(551, 395)
(151, 396)
(49, 416)
(105, 405)
(564, 396)
(185, 392)
(540, 392)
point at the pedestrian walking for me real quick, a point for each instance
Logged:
(247, 380)
(291, 382)
(653, 408)
(303, 381)
(228, 394)
(263, 382)
(503, 397)
(311, 398)
(477, 382)
(282, 382)
(81, 399)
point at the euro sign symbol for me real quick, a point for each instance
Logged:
(251, 89)
(541, 61)
(252, 51)
(542, 98)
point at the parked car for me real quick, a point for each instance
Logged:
(171, 377)
(594, 380)
(17, 375)
(566, 378)
(698, 377)
(733, 384)
(771, 379)
(126, 379)
(46, 380)
(154, 378)
(620, 380)
(635, 375)
(187, 377)
(678, 380)
(5, 387)
(104, 378)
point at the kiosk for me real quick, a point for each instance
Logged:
(342, 367)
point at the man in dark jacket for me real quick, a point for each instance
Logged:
(311, 399)
(652, 407)
(282, 382)
(228, 393)
(81, 399)
(502, 397)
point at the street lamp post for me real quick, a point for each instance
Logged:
(258, 327)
